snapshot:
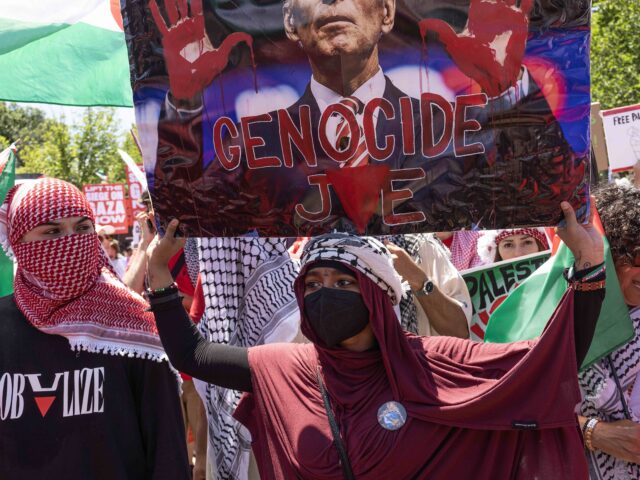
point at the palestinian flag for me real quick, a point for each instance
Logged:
(7, 180)
(525, 313)
(68, 52)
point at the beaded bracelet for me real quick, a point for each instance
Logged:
(588, 432)
(595, 273)
(587, 286)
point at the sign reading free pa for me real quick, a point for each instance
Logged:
(622, 131)
(108, 203)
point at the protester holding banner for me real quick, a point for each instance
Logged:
(86, 391)
(611, 386)
(438, 301)
(365, 393)
(497, 245)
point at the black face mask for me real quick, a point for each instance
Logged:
(336, 315)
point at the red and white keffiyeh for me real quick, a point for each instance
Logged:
(490, 239)
(65, 286)
(464, 250)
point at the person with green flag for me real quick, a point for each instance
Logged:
(7, 180)
(610, 411)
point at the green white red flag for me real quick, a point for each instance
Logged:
(525, 313)
(7, 180)
(68, 52)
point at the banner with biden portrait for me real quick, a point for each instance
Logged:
(299, 117)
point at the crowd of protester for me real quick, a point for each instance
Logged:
(381, 366)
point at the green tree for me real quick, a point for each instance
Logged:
(78, 153)
(129, 145)
(17, 122)
(615, 52)
(26, 124)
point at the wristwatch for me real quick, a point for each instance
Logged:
(426, 289)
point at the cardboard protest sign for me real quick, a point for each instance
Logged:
(622, 130)
(490, 285)
(598, 142)
(396, 116)
(109, 205)
(135, 190)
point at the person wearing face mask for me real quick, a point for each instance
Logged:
(497, 245)
(610, 410)
(367, 400)
(86, 391)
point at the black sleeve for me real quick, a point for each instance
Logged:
(586, 311)
(155, 390)
(222, 365)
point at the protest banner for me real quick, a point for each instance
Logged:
(109, 205)
(7, 180)
(490, 285)
(298, 118)
(622, 131)
(598, 141)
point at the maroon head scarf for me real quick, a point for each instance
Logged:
(475, 410)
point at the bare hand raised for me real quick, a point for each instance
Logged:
(406, 267)
(162, 249)
(584, 241)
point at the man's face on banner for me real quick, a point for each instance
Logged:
(341, 27)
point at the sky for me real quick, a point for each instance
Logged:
(73, 115)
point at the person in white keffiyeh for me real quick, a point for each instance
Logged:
(249, 300)
(611, 387)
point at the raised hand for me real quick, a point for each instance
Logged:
(164, 247)
(584, 241)
(406, 267)
(491, 47)
(192, 61)
(161, 250)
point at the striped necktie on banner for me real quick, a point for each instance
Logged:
(343, 135)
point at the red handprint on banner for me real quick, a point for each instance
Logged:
(192, 61)
(491, 47)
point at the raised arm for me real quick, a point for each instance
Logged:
(587, 246)
(189, 352)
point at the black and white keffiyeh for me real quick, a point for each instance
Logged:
(411, 243)
(249, 299)
(602, 398)
(366, 254)
(192, 259)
